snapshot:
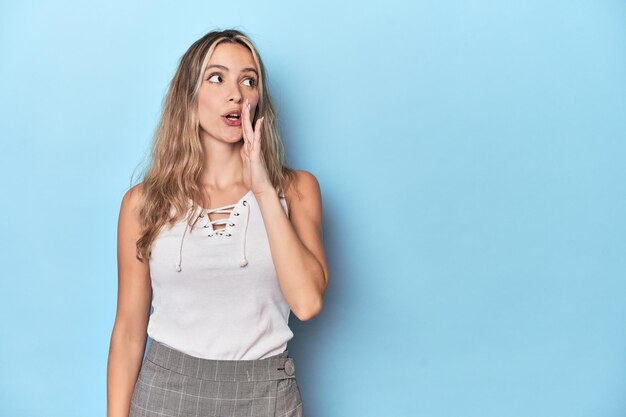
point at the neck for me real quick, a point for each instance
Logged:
(222, 167)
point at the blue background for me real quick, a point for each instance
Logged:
(471, 157)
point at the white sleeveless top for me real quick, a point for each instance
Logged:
(215, 291)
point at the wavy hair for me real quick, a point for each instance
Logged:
(172, 178)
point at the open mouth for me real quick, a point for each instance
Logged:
(232, 119)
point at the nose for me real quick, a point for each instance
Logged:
(235, 94)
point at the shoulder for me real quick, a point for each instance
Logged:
(134, 195)
(304, 193)
(132, 200)
(302, 186)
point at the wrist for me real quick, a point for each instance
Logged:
(263, 193)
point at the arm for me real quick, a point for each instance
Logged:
(128, 338)
(296, 245)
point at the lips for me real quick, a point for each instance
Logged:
(233, 118)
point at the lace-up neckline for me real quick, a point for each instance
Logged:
(225, 232)
(227, 209)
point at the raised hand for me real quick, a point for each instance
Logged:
(255, 174)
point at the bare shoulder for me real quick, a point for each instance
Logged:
(133, 197)
(129, 224)
(304, 198)
(304, 190)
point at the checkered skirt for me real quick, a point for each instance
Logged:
(172, 383)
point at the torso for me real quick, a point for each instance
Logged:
(205, 302)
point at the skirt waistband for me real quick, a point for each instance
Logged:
(279, 366)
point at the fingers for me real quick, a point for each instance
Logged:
(246, 125)
(251, 137)
(257, 130)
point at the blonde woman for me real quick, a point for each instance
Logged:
(224, 241)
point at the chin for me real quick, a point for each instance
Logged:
(234, 139)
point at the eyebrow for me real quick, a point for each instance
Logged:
(248, 69)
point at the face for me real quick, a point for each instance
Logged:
(231, 77)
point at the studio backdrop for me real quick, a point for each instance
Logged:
(471, 157)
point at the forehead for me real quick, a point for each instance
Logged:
(232, 55)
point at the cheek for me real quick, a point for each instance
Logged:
(207, 111)
(254, 105)
(205, 106)
(208, 103)
(252, 96)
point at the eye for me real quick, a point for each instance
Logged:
(212, 77)
(252, 82)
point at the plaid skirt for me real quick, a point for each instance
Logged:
(172, 383)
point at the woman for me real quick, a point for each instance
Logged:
(225, 241)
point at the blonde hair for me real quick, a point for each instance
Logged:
(172, 177)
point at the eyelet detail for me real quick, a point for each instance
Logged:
(235, 214)
(245, 202)
(231, 224)
(228, 234)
